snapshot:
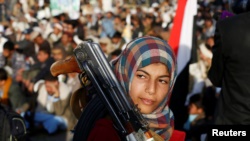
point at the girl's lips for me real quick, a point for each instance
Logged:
(147, 101)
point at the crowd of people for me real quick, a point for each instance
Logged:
(31, 42)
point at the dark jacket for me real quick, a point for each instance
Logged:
(27, 48)
(230, 69)
(43, 69)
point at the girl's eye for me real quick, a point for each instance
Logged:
(163, 81)
(141, 76)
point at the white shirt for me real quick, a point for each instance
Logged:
(45, 101)
(2, 42)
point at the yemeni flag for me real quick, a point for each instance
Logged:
(181, 40)
(181, 35)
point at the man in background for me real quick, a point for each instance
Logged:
(231, 65)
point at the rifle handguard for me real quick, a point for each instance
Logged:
(78, 101)
(156, 136)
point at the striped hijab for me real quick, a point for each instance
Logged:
(142, 52)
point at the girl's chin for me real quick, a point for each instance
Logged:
(145, 110)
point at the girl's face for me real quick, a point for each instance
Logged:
(150, 86)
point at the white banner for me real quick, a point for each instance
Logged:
(64, 6)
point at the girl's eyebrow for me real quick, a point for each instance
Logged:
(149, 74)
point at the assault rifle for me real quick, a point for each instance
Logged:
(90, 61)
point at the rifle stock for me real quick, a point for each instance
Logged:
(68, 65)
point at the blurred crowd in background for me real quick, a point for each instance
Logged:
(34, 34)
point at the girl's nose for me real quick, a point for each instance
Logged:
(150, 88)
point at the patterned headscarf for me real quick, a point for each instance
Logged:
(142, 52)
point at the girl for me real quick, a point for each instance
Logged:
(147, 70)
